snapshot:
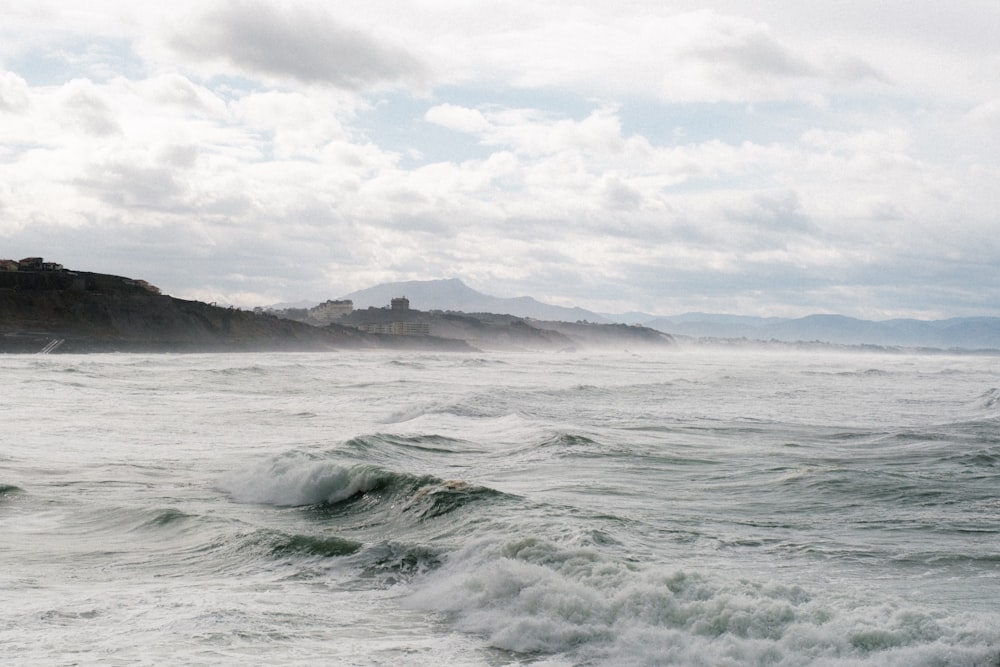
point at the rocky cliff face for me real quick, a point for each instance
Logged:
(491, 331)
(135, 320)
(66, 311)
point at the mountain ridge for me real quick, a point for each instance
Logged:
(453, 294)
(957, 332)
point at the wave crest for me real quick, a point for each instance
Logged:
(989, 399)
(335, 488)
(298, 480)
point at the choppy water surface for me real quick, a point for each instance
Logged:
(689, 507)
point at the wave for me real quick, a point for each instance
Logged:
(427, 443)
(576, 604)
(564, 445)
(989, 400)
(279, 544)
(333, 488)
(473, 408)
(481, 362)
(557, 445)
(493, 404)
(407, 364)
(389, 563)
(985, 459)
(167, 517)
(295, 479)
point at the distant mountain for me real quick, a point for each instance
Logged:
(453, 294)
(962, 332)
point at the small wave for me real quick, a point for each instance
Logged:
(393, 562)
(267, 544)
(437, 499)
(982, 458)
(411, 413)
(8, 490)
(253, 369)
(568, 441)
(989, 400)
(431, 443)
(407, 364)
(482, 363)
(868, 372)
(433, 408)
(478, 408)
(939, 558)
(312, 545)
(571, 445)
(166, 517)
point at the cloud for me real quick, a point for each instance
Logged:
(457, 118)
(13, 93)
(655, 52)
(299, 42)
(178, 92)
(744, 47)
(621, 196)
(128, 184)
(86, 108)
(987, 113)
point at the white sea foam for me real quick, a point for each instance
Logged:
(294, 480)
(534, 597)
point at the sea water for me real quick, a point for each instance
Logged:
(690, 506)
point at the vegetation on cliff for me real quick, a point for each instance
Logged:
(72, 311)
(84, 312)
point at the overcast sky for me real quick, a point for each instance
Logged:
(758, 158)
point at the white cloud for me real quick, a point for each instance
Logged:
(987, 113)
(674, 56)
(84, 107)
(13, 93)
(457, 118)
(297, 41)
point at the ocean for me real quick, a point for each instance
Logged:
(687, 506)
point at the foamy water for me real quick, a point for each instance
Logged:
(688, 507)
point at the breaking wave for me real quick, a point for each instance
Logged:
(576, 605)
(335, 488)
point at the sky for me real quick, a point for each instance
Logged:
(754, 158)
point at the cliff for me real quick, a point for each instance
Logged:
(508, 332)
(72, 311)
(90, 312)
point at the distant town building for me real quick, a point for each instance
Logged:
(36, 264)
(329, 311)
(398, 328)
(400, 303)
(8, 265)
